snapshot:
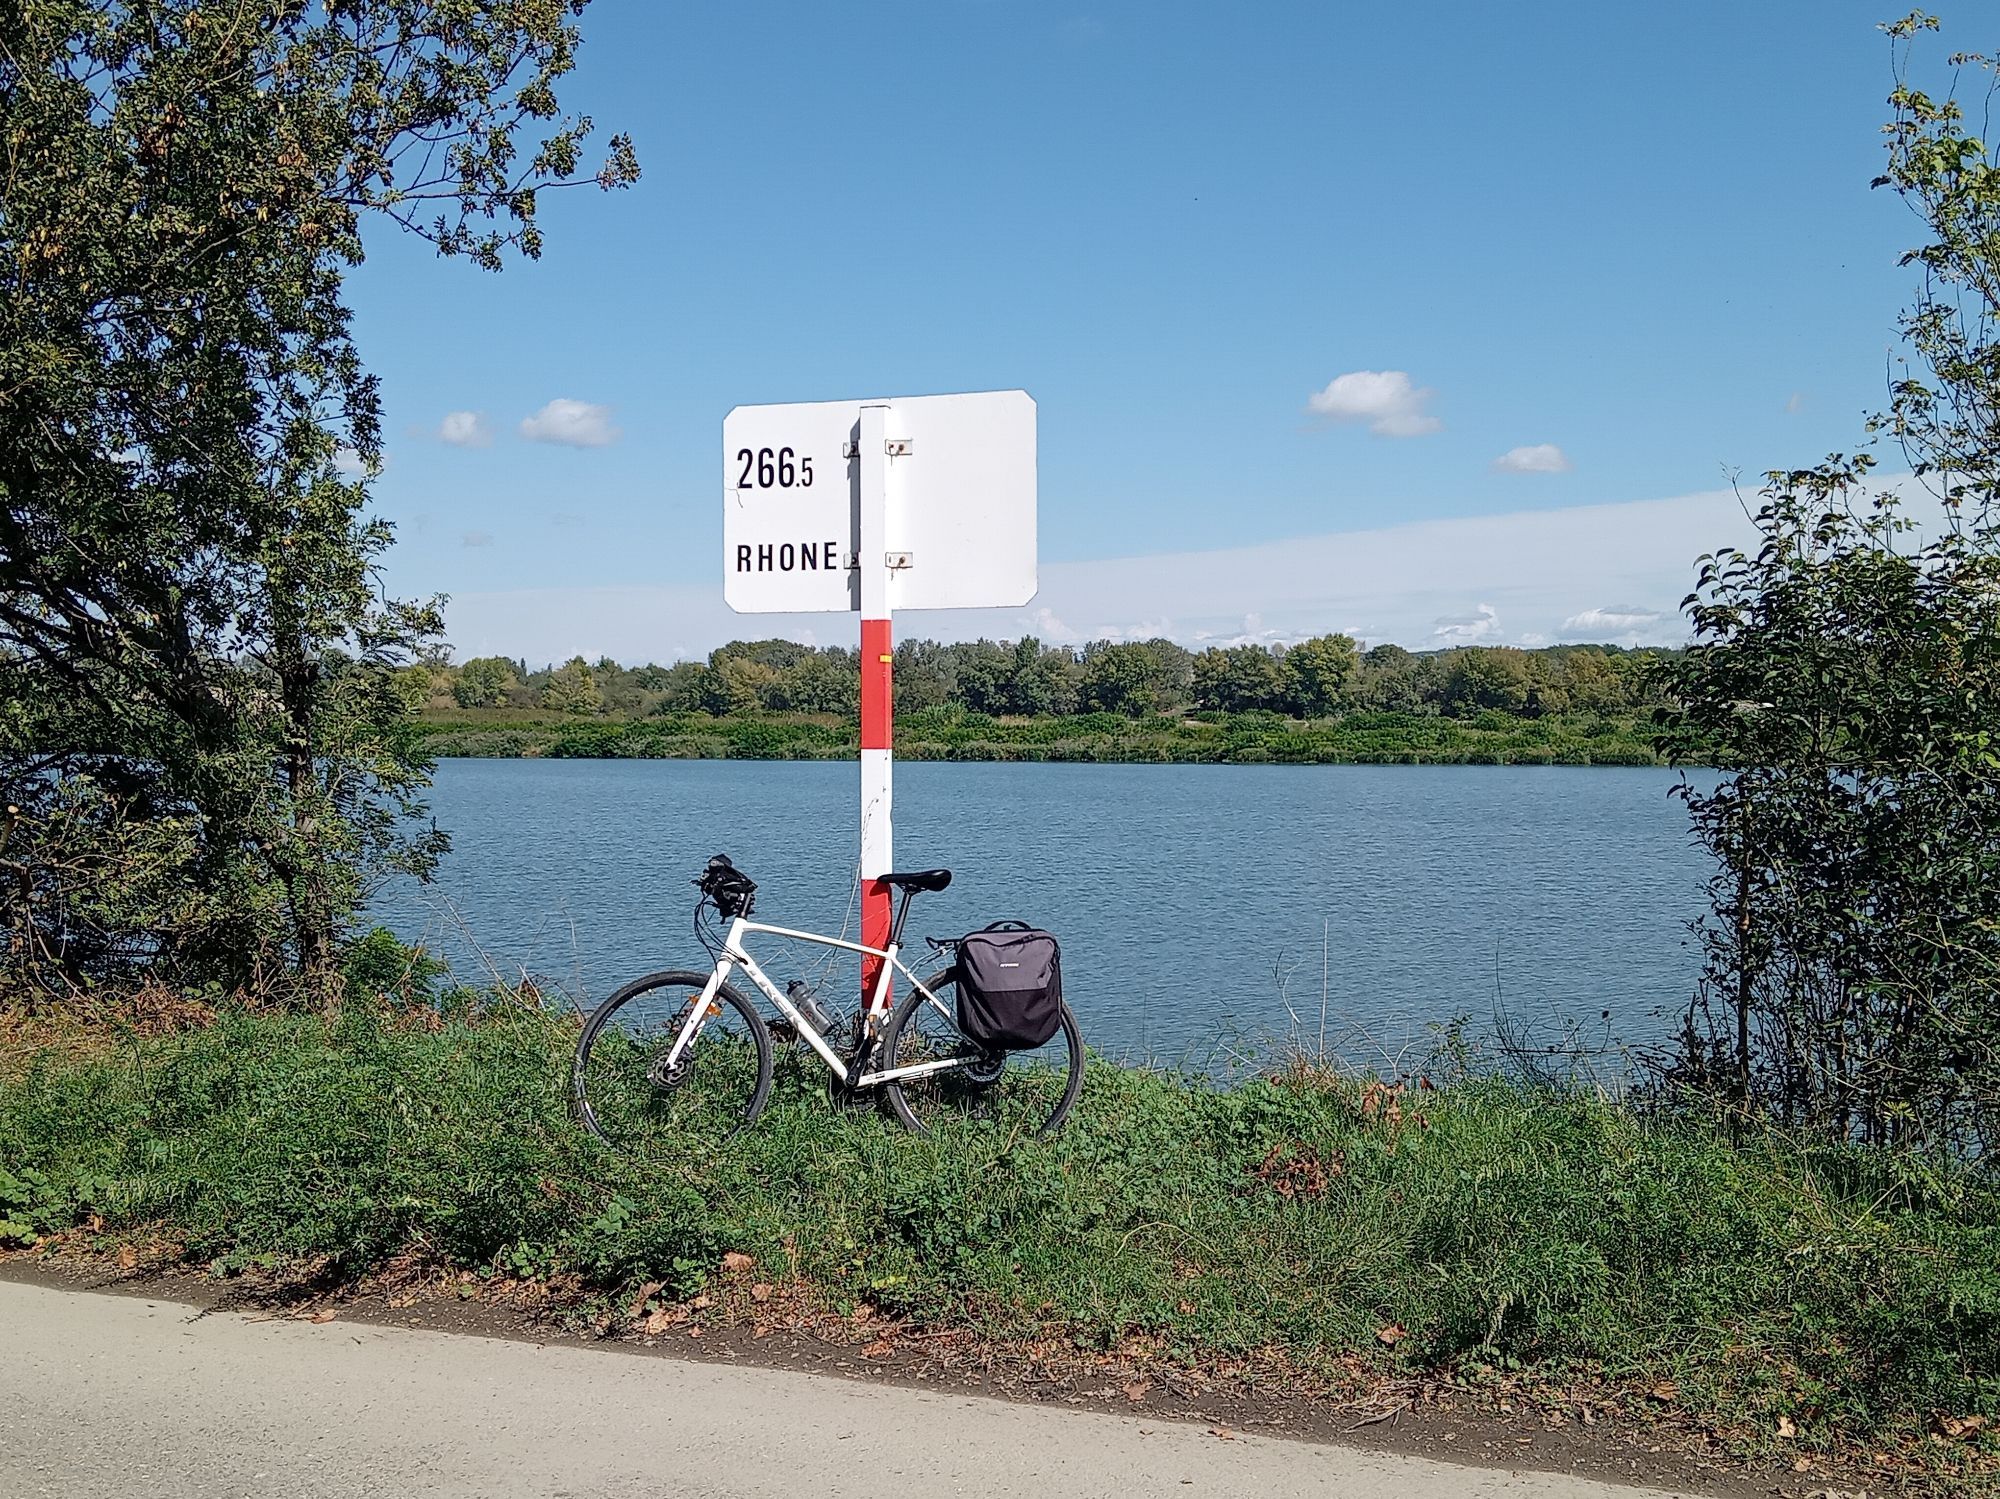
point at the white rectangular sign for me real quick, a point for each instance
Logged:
(959, 510)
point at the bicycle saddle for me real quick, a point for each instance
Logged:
(919, 879)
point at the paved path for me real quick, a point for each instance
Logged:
(116, 1395)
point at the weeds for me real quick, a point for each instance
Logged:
(1488, 1225)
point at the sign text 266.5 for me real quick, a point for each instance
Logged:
(763, 469)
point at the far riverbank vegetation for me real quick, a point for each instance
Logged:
(1318, 701)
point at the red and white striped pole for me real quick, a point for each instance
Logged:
(877, 689)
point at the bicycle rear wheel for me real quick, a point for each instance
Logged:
(1023, 1093)
(626, 1093)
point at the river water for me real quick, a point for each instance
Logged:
(1205, 911)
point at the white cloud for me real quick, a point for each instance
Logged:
(1049, 628)
(1482, 624)
(477, 538)
(1384, 399)
(1795, 403)
(576, 424)
(348, 463)
(1611, 617)
(1623, 624)
(465, 429)
(1536, 458)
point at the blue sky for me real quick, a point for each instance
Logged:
(1642, 235)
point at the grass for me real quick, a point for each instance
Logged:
(1242, 738)
(1480, 1226)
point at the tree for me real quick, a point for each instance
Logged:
(921, 676)
(1483, 677)
(1847, 682)
(1238, 678)
(1945, 407)
(826, 681)
(1594, 682)
(202, 658)
(1391, 680)
(1045, 680)
(692, 687)
(572, 688)
(1320, 675)
(746, 682)
(413, 685)
(1846, 678)
(984, 673)
(1123, 678)
(482, 682)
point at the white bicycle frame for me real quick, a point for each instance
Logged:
(734, 956)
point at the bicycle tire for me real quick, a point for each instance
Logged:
(962, 1093)
(628, 1105)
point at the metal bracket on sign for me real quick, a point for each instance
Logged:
(895, 447)
(896, 561)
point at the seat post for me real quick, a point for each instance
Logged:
(902, 911)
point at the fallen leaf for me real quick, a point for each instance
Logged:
(127, 1257)
(760, 1292)
(1391, 1335)
(1786, 1429)
(1666, 1389)
(1802, 1465)
(644, 1294)
(324, 1314)
(659, 1322)
(735, 1263)
(1136, 1391)
(1961, 1427)
(701, 1303)
(1222, 1433)
(880, 1348)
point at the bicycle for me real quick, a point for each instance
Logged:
(681, 1049)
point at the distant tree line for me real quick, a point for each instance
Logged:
(1321, 677)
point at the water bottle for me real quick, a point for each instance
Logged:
(802, 997)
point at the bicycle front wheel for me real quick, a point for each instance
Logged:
(626, 1092)
(1026, 1094)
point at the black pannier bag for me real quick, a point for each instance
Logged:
(1009, 986)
